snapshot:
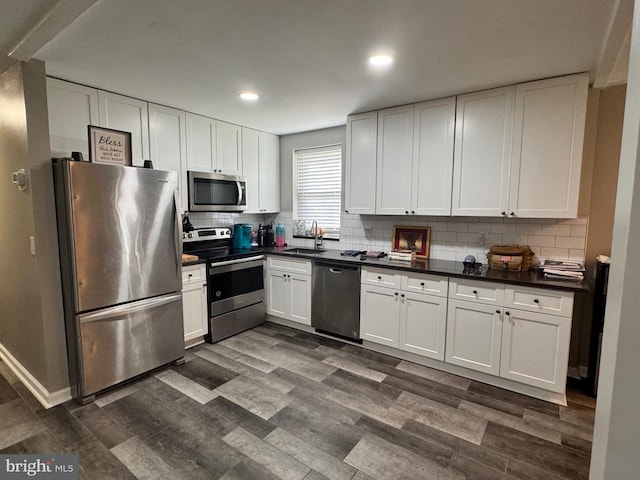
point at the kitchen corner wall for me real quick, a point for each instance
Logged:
(32, 325)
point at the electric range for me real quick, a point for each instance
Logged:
(235, 281)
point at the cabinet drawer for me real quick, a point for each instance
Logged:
(555, 302)
(476, 291)
(424, 283)
(383, 277)
(292, 265)
(193, 274)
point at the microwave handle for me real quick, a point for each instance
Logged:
(239, 185)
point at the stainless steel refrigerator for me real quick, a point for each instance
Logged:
(120, 252)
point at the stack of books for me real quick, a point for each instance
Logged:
(561, 270)
(402, 255)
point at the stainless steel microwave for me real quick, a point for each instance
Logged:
(216, 192)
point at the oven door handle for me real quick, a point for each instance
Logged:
(239, 260)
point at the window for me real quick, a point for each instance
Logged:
(317, 186)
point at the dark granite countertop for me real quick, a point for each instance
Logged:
(532, 278)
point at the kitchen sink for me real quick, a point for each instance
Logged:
(305, 250)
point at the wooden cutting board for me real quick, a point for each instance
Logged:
(189, 258)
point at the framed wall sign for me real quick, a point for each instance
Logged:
(109, 146)
(417, 239)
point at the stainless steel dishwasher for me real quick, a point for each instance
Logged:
(335, 303)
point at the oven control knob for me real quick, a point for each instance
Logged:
(228, 232)
(218, 294)
(189, 235)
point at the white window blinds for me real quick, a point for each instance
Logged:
(318, 184)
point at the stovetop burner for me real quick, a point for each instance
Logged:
(214, 244)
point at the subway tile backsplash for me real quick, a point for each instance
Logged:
(453, 238)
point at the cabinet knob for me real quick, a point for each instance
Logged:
(497, 311)
(190, 275)
(395, 293)
(507, 313)
(503, 213)
(284, 275)
(413, 212)
(406, 211)
(402, 295)
(204, 285)
(512, 214)
(535, 300)
(475, 292)
(379, 277)
(422, 284)
(346, 211)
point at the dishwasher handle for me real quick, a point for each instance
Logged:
(338, 268)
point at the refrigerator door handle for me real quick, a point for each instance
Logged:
(128, 308)
(178, 235)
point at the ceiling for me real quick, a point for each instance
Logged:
(307, 59)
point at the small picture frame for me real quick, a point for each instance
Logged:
(417, 239)
(108, 146)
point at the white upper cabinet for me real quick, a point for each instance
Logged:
(71, 109)
(201, 143)
(228, 148)
(395, 159)
(547, 147)
(433, 134)
(360, 168)
(482, 154)
(168, 142)
(261, 163)
(130, 115)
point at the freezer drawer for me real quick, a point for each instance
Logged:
(118, 343)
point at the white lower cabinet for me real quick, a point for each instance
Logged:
(288, 294)
(194, 302)
(474, 333)
(528, 344)
(423, 321)
(535, 349)
(380, 315)
(401, 318)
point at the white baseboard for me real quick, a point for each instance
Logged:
(46, 398)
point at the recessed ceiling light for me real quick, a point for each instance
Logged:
(248, 95)
(380, 60)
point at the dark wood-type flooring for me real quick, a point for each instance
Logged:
(274, 402)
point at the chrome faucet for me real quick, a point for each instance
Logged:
(317, 239)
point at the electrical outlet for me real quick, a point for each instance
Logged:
(482, 240)
(32, 245)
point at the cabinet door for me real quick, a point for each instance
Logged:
(547, 147)
(71, 108)
(360, 168)
(201, 143)
(380, 315)
(434, 126)
(474, 333)
(269, 177)
(276, 291)
(128, 114)
(194, 310)
(299, 298)
(395, 159)
(535, 349)
(423, 322)
(251, 164)
(229, 148)
(168, 141)
(482, 153)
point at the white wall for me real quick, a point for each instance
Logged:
(616, 438)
